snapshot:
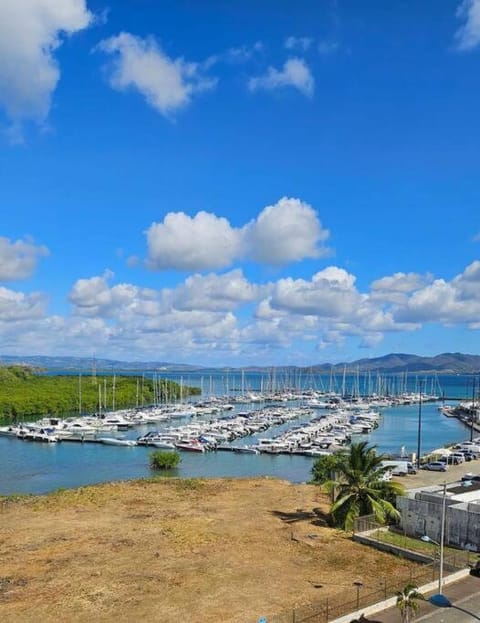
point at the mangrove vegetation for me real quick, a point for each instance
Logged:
(29, 394)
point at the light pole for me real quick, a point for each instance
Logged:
(472, 416)
(441, 601)
(419, 440)
(427, 539)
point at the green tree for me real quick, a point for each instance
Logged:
(325, 467)
(361, 489)
(407, 602)
(28, 394)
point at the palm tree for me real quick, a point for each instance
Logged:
(361, 488)
(407, 602)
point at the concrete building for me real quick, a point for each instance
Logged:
(421, 514)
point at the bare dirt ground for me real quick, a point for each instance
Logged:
(176, 550)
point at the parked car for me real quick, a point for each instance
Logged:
(459, 456)
(436, 466)
(469, 445)
(469, 455)
(450, 459)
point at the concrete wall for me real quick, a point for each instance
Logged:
(365, 539)
(422, 515)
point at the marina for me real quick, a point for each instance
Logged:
(276, 433)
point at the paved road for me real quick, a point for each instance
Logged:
(464, 593)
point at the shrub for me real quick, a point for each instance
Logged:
(164, 459)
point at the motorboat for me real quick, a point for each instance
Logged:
(114, 441)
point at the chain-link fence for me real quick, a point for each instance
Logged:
(360, 596)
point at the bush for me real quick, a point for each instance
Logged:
(163, 459)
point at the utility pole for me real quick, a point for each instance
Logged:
(442, 538)
(472, 416)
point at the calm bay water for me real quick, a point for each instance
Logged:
(39, 468)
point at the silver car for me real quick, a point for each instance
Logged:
(436, 466)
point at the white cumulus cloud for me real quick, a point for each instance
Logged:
(446, 302)
(140, 64)
(288, 231)
(215, 292)
(18, 306)
(202, 242)
(399, 282)
(295, 73)
(30, 33)
(467, 36)
(396, 288)
(331, 293)
(19, 259)
(94, 297)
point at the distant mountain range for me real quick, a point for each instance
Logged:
(90, 363)
(446, 363)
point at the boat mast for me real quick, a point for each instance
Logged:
(105, 394)
(80, 394)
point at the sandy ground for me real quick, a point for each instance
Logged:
(176, 550)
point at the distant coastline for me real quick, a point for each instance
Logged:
(393, 363)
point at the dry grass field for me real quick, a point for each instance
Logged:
(175, 550)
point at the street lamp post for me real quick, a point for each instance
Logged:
(441, 601)
(472, 416)
(419, 439)
(440, 545)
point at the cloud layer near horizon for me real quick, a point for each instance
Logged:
(226, 316)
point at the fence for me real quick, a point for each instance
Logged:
(359, 596)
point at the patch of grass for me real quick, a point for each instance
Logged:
(189, 483)
(407, 542)
(15, 498)
(164, 459)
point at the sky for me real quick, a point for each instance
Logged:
(233, 183)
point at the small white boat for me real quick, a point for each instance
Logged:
(163, 444)
(113, 441)
(9, 431)
(246, 450)
(191, 446)
(37, 434)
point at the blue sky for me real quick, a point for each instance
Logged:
(237, 183)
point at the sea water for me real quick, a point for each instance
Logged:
(29, 467)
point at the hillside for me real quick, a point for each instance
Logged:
(78, 364)
(446, 363)
(393, 363)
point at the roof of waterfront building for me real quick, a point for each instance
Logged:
(458, 492)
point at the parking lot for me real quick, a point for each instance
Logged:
(426, 478)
